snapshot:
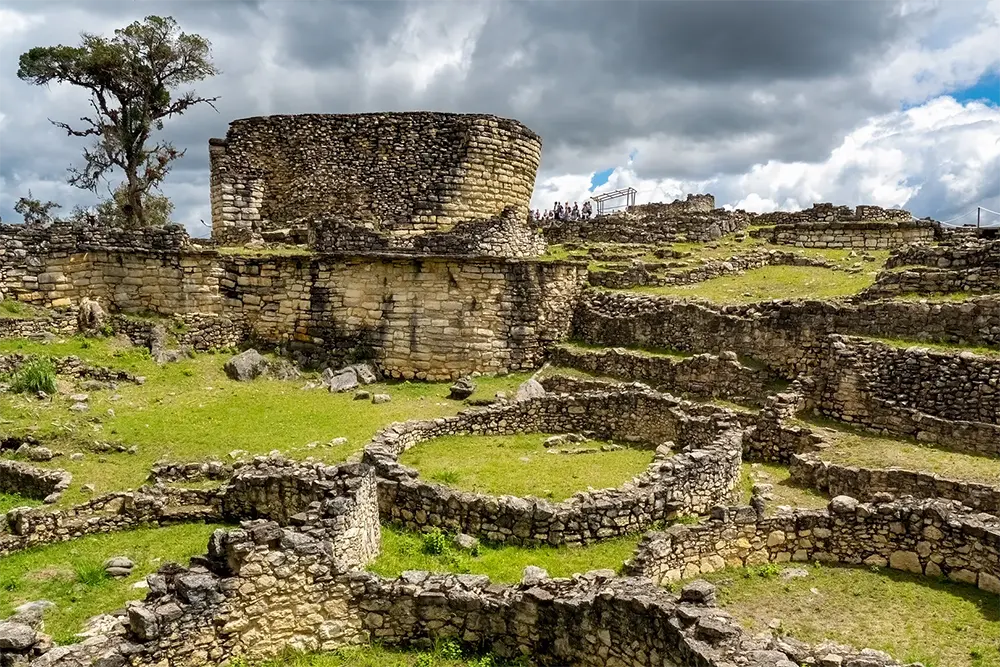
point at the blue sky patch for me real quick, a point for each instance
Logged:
(987, 88)
(600, 178)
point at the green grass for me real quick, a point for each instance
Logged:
(33, 376)
(938, 297)
(785, 493)
(190, 410)
(446, 653)
(9, 501)
(771, 282)
(912, 617)
(939, 347)
(71, 574)
(404, 550)
(519, 465)
(12, 309)
(583, 346)
(856, 447)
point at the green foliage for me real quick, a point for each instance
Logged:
(130, 77)
(435, 542)
(111, 211)
(35, 375)
(90, 573)
(34, 211)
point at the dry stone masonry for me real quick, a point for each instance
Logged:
(705, 472)
(404, 173)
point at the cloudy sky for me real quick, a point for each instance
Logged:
(766, 104)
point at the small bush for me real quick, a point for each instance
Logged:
(35, 375)
(450, 650)
(435, 542)
(446, 477)
(90, 574)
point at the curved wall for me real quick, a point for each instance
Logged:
(401, 172)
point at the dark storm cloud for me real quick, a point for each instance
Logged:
(723, 85)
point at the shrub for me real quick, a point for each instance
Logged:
(435, 542)
(90, 574)
(33, 376)
(450, 650)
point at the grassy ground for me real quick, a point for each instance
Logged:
(864, 449)
(9, 501)
(190, 410)
(71, 574)
(582, 346)
(946, 296)
(785, 493)
(722, 249)
(404, 550)
(18, 309)
(519, 465)
(940, 623)
(772, 282)
(445, 654)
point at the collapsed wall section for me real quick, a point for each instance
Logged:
(401, 172)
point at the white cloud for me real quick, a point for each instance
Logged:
(946, 151)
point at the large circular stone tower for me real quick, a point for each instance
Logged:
(395, 173)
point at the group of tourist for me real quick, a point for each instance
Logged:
(564, 212)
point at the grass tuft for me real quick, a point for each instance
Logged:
(35, 375)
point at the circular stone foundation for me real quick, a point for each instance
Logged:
(705, 471)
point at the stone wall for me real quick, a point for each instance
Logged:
(22, 528)
(418, 317)
(262, 589)
(835, 479)
(702, 375)
(505, 235)
(911, 391)
(432, 318)
(827, 212)
(674, 483)
(850, 234)
(785, 335)
(399, 172)
(935, 538)
(649, 223)
(922, 269)
(33, 482)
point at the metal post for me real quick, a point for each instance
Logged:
(979, 214)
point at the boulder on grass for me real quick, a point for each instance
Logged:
(530, 389)
(462, 389)
(247, 365)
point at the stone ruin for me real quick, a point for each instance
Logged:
(421, 263)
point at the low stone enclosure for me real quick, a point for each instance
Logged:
(704, 472)
(289, 577)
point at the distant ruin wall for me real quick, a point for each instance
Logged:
(693, 219)
(827, 212)
(848, 234)
(401, 172)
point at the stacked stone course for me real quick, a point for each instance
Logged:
(935, 538)
(705, 473)
(404, 173)
(972, 267)
(31, 481)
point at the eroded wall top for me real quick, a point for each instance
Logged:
(402, 173)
